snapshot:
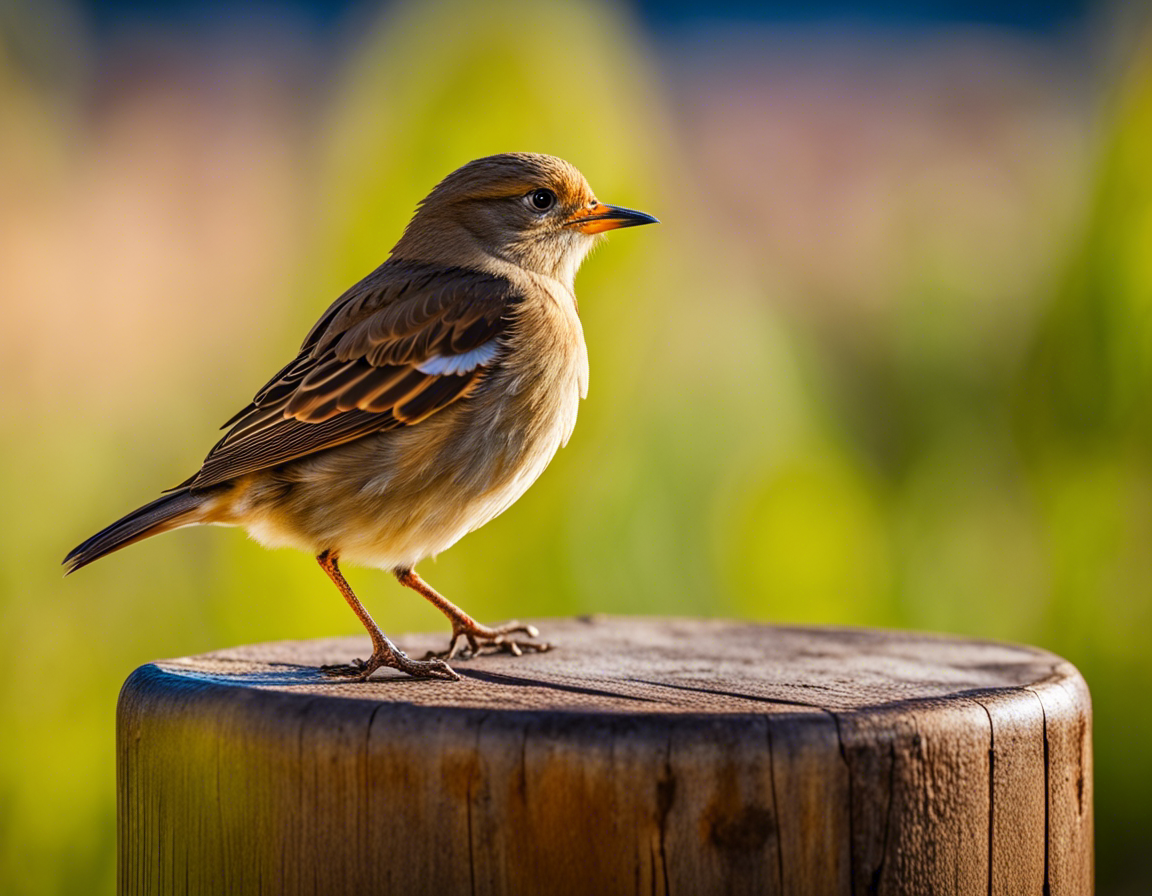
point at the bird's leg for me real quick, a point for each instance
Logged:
(464, 626)
(384, 652)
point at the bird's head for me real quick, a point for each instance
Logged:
(532, 210)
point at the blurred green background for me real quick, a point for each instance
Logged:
(885, 362)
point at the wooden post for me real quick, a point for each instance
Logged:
(665, 756)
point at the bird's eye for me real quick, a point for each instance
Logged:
(541, 200)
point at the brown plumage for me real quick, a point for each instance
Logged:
(424, 401)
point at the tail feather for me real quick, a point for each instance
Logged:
(170, 511)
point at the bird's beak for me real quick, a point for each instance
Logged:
(598, 217)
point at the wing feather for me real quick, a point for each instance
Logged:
(358, 370)
(438, 392)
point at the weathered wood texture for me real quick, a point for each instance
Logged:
(642, 756)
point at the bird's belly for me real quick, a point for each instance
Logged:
(393, 499)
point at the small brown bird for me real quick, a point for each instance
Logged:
(422, 404)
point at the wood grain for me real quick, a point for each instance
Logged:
(642, 756)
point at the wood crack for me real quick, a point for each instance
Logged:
(665, 796)
(775, 805)
(991, 788)
(878, 871)
(1047, 798)
(851, 804)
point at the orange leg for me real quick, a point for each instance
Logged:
(384, 652)
(464, 626)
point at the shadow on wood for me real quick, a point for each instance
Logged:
(642, 756)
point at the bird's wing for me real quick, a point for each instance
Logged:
(402, 344)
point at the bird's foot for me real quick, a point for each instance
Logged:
(482, 639)
(390, 655)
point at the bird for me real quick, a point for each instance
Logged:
(423, 403)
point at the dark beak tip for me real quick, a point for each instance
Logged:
(632, 218)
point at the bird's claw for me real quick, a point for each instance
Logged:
(396, 659)
(482, 640)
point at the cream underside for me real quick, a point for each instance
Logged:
(399, 546)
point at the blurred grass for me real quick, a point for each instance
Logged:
(974, 459)
(1083, 408)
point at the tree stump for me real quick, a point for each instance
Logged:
(641, 756)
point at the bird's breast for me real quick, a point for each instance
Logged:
(526, 409)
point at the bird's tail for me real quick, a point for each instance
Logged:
(170, 511)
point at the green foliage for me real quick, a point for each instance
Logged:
(1084, 414)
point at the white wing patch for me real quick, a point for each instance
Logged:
(457, 364)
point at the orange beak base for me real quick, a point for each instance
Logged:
(598, 217)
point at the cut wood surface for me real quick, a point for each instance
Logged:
(669, 756)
